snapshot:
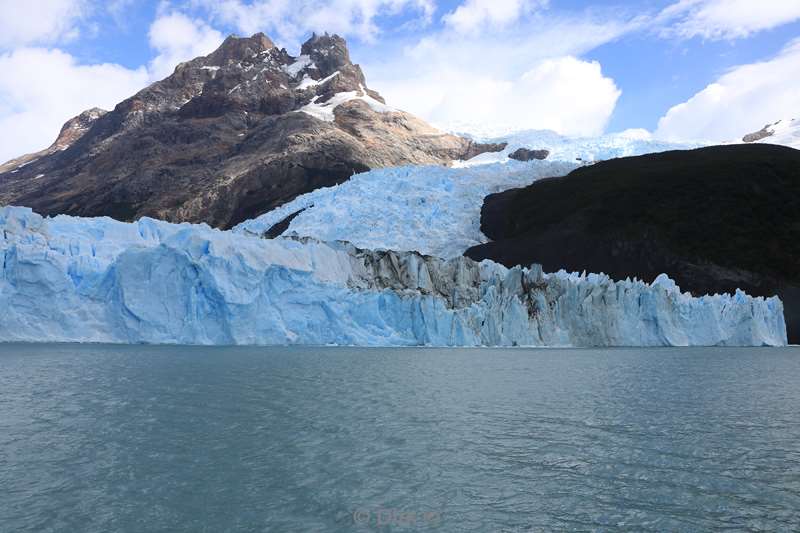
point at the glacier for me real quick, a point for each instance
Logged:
(70, 279)
(436, 210)
(431, 210)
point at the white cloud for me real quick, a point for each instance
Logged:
(727, 19)
(40, 89)
(178, 38)
(564, 94)
(24, 22)
(474, 14)
(288, 20)
(640, 134)
(521, 77)
(567, 95)
(741, 101)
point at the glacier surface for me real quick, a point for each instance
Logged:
(99, 280)
(436, 210)
(431, 210)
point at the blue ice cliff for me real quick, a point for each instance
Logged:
(99, 280)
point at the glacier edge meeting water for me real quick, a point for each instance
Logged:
(70, 279)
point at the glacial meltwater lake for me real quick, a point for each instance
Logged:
(138, 438)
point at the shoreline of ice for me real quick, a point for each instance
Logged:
(68, 279)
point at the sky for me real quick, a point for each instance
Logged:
(672, 69)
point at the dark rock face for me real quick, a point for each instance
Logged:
(277, 229)
(227, 137)
(475, 149)
(715, 219)
(330, 54)
(523, 154)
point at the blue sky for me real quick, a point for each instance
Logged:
(655, 74)
(677, 68)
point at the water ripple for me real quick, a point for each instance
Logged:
(133, 438)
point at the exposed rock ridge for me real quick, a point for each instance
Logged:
(227, 137)
(71, 131)
(525, 154)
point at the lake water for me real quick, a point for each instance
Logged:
(134, 438)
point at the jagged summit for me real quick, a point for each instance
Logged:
(226, 137)
(238, 48)
(328, 52)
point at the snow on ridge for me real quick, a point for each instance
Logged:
(784, 132)
(27, 163)
(301, 63)
(325, 110)
(308, 81)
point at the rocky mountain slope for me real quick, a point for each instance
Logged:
(715, 219)
(227, 137)
(70, 132)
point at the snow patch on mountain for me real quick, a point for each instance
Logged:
(69, 279)
(325, 110)
(785, 132)
(302, 63)
(308, 81)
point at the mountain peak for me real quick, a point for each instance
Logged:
(329, 52)
(227, 137)
(237, 48)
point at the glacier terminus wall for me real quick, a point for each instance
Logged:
(99, 280)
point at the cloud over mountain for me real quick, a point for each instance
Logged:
(741, 100)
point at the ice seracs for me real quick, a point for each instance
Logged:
(99, 280)
(431, 210)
